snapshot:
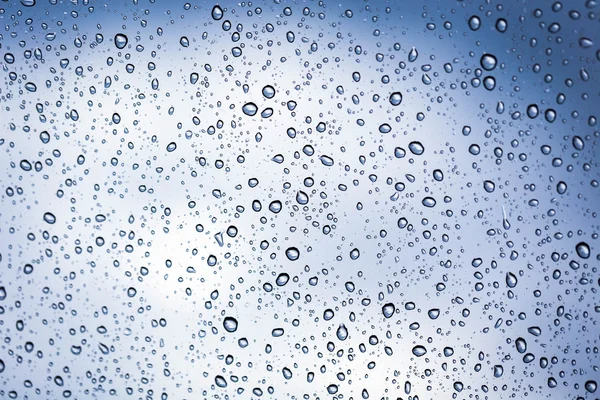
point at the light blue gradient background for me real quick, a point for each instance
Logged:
(401, 260)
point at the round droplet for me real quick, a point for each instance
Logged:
(591, 386)
(583, 250)
(290, 36)
(121, 40)
(533, 111)
(220, 381)
(217, 13)
(230, 324)
(396, 98)
(419, 350)
(287, 373)
(429, 202)
(388, 310)
(501, 25)
(434, 313)
(171, 147)
(277, 332)
(131, 292)
(282, 279)
(489, 186)
(275, 206)
(292, 253)
(578, 143)
(416, 148)
(561, 187)
(488, 62)
(49, 218)
(30, 87)
(474, 23)
(268, 91)
(521, 345)
(250, 109)
(489, 83)
(385, 128)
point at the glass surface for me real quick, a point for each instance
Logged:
(299, 199)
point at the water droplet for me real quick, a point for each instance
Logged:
(416, 148)
(533, 111)
(521, 345)
(49, 218)
(511, 280)
(488, 62)
(429, 202)
(413, 55)
(250, 109)
(326, 160)
(583, 250)
(31, 87)
(230, 324)
(268, 91)
(585, 43)
(342, 332)
(292, 253)
(217, 13)
(419, 350)
(474, 23)
(395, 98)
(121, 40)
(501, 25)
(171, 147)
(388, 310)
(489, 186)
(220, 381)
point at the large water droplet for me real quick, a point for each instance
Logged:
(230, 324)
(292, 253)
(250, 109)
(419, 350)
(388, 310)
(121, 40)
(583, 250)
(217, 13)
(342, 332)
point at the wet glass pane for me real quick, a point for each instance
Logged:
(299, 200)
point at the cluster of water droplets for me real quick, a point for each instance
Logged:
(315, 200)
